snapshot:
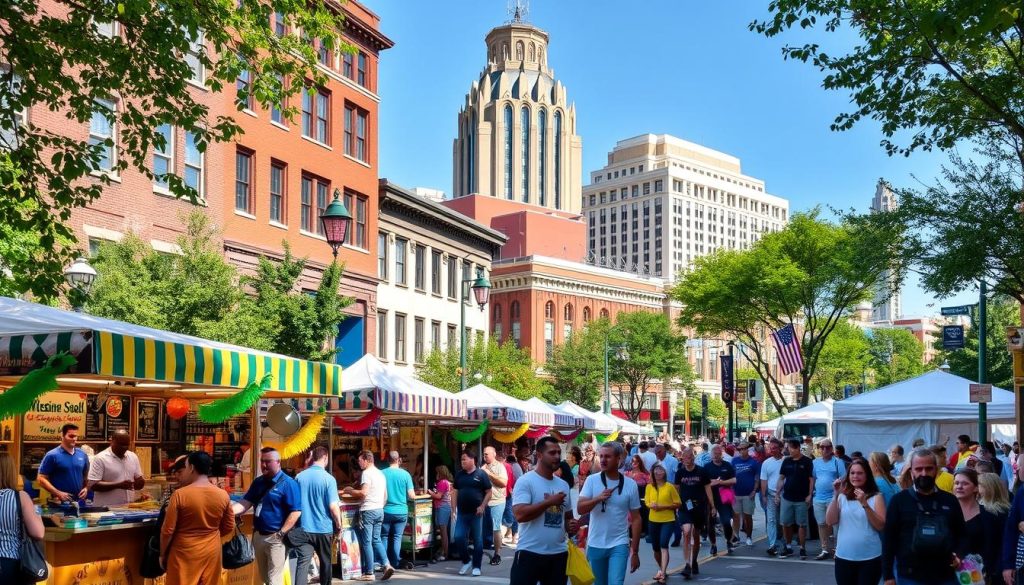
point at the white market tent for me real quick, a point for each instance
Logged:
(592, 421)
(818, 412)
(929, 406)
(488, 404)
(627, 427)
(563, 420)
(369, 383)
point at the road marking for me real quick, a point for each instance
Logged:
(771, 559)
(420, 575)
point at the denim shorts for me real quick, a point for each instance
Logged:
(793, 513)
(659, 534)
(497, 512)
(443, 516)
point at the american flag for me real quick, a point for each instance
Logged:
(788, 347)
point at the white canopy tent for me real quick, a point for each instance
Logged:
(929, 406)
(591, 421)
(627, 427)
(562, 419)
(812, 414)
(488, 404)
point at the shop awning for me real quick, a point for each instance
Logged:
(369, 383)
(591, 421)
(488, 404)
(30, 333)
(562, 419)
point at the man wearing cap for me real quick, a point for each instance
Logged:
(748, 478)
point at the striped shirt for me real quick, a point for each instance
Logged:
(10, 528)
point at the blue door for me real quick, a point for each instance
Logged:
(350, 341)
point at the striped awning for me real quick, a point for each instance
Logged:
(562, 419)
(488, 404)
(396, 392)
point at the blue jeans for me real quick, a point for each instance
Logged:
(370, 546)
(391, 533)
(469, 524)
(608, 564)
(509, 518)
(772, 517)
(486, 527)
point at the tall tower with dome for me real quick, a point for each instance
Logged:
(517, 129)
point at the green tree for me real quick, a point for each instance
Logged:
(940, 70)
(844, 359)
(717, 410)
(577, 367)
(1002, 312)
(654, 351)
(896, 355)
(503, 367)
(57, 59)
(810, 274)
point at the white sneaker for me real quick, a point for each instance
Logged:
(750, 542)
(465, 568)
(476, 572)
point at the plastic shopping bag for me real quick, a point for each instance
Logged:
(971, 571)
(577, 568)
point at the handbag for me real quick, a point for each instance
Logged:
(31, 558)
(149, 566)
(237, 552)
(577, 568)
(727, 495)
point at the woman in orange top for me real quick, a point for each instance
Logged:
(198, 515)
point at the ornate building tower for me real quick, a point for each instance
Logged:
(517, 129)
(888, 302)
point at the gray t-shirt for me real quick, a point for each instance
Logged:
(545, 534)
(609, 526)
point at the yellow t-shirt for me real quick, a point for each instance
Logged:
(665, 495)
(944, 481)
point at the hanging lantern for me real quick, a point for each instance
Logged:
(177, 408)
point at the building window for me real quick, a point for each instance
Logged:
(195, 161)
(542, 139)
(103, 133)
(323, 53)
(467, 274)
(346, 65)
(280, 26)
(421, 267)
(193, 59)
(399, 337)
(508, 152)
(513, 317)
(105, 28)
(452, 336)
(558, 160)
(435, 336)
(586, 315)
(356, 122)
(163, 157)
(496, 320)
(361, 72)
(276, 114)
(400, 251)
(382, 256)
(524, 121)
(549, 310)
(604, 313)
(417, 340)
(382, 335)
(316, 112)
(435, 272)
(278, 185)
(453, 277)
(243, 89)
(549, 339)
(356, 205)
(310, 214)
(243, 180)
(568, 315)
(321, 205)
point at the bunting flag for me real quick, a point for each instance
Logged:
(605, 438)
(221, 410)
(301, 440)
(537, 433)
(566, 437)
(358, 425)
(470, 436)
(19, 398)
(511, 436)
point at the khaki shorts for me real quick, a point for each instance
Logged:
(820, 509)
(744, 505)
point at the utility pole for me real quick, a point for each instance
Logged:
(732, 403)
(982, 366)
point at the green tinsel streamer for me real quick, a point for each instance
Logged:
(442, 450)
(470, 436)
(17, 400)
(221, 410)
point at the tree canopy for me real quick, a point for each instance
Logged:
(577, 367)
(73, 57)
(503, 367)
(811, 274)
(1003, 312)
(896, 355)
(653, 351)
(844, 360)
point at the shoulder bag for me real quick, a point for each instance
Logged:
(149, 566)
(30, 553)
(237, 552)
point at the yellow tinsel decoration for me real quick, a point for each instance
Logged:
(511, 436)
(301, 440)
(606, 438)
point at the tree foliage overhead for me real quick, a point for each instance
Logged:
(942, 70)
(654, 351)
(812, 273)
(844, 360)
(502, 367)
(577, 367)
(896, 355)
(55, 58)
(197, 292)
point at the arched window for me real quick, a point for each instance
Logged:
(519, 50)
(497, 312)
(524, 121)
(471, 154)
(604, 313)
(513, 311)
(533, 52)
(513, 315)
(567, 316)
(508, 151)
(558, 160)
(540, 55)
(542, 138)
(504, 51)
(586, 314)
(496, 329)
(549, 310)
(567, 312)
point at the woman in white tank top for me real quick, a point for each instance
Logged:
(858, 510)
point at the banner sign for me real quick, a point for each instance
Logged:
(952, 337)
(981, 392)
(961, 310)
(727, 381)
(50, 412)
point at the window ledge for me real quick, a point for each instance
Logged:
(115, 178)
(312, 235)
(357, 161)
(316, 142)
(278, 225)
(355, 248)
(249, 112)
(280, 125)
(197, 85)
(162, 191)
(244, 214)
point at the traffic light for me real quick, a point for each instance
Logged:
(752, 390)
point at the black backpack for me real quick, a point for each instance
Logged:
(931, 534)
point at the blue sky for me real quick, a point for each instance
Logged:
(686, 68)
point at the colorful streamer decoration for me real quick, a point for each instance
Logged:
(511, 436)
(470, 436)
(221, 410)
(605, 438)
(442, 450)
(301, 440)
(358, 425)
(537, 433)
(565, 438)
(17, 400)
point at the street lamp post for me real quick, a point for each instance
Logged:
(620, 352)
(481, 292)
(732, 412)
(335, 220)
(80, 277)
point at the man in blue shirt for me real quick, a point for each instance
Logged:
(278, 503)
(321, 517)
(748, 478)
(65, 468)
(826, 470)
(396, 507)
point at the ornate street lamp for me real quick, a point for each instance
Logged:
(481, 292)
(80, 277)
(335, 220)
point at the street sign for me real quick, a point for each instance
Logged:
(961, 310)
(981, 392)
(952, 337)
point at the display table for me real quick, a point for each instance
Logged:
(419, 532)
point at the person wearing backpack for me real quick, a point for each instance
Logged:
(925, 532)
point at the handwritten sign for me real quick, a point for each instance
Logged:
(51, 411)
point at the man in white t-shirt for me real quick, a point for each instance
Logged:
(373, 492)
(115, 473)
(609, 497)
(496, 472)
(769, 478)
(540, 502)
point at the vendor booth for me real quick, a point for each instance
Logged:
(813, 420)
(929, 406)
(592, 421)
(172, 393)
